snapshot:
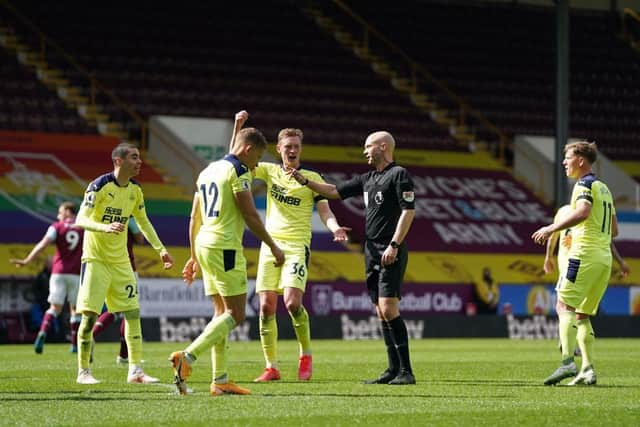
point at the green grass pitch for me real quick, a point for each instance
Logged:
(460, 382)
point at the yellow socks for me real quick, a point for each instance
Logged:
(85, 337)
(269, 340)
(586, 337)
(301, 326)
(568, 332)
(133, 336)
(219, 359)
(215, 331)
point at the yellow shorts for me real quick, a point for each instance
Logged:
(224, 271)
(292, 274)
(114, 284)
(583, 285)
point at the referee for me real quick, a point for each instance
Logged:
(389, 200)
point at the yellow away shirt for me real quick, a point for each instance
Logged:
(591, 239)
(289, 204)
(106, 202)
(222, 222)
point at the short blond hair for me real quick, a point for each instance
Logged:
(253, 137)
(289, 132)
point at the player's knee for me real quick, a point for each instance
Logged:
(389, 313)
(267, 308)
(238, 316)
(88, 322)
(562, 307)
(132, 314)
(293, 307)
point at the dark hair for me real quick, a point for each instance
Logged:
(121, 150)
(69, 206)
(584, 149)
(253, 137)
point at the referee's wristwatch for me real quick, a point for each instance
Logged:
(394, 245)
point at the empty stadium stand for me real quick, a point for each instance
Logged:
(501, 59)
(27, 104)
(195, 60)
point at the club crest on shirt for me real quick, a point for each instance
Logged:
(90, 199)
(408, 196)
(378, 198)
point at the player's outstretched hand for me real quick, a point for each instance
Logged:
(167, 260)
(541, 235)
(624, 270)
(341, 234)
(295, 174)
(18, 262)
(190, 271)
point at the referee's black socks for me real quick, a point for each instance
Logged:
(392, 352)
(401, 338)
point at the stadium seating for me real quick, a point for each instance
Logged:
(27, 104)
(501, 58)
(194, 61)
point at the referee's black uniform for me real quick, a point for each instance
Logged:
(386, 194)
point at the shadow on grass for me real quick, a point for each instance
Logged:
(483, 383)
(426, 382)
(512, 383)
(391, 395)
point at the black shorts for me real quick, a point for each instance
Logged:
(384, 281)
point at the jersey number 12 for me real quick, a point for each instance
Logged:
(213, 193)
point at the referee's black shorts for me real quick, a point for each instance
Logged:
(384, 281)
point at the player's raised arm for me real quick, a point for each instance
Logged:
(240, 119)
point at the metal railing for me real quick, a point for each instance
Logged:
(45, 43)
(376, 43)
(631, 27)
